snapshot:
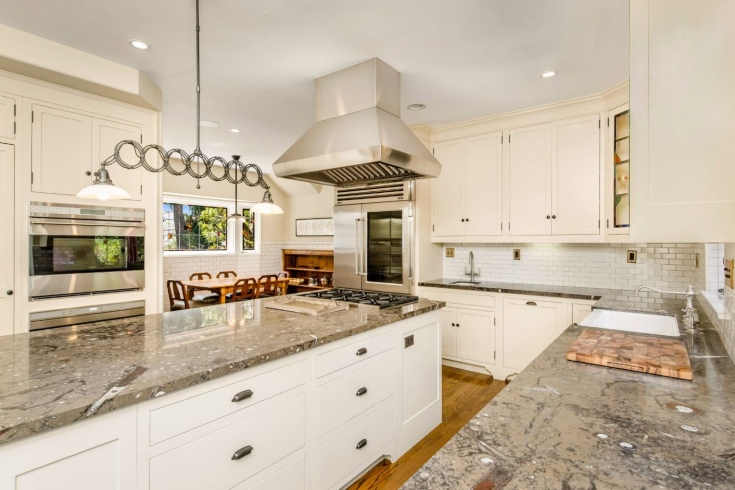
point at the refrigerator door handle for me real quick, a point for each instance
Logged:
(365, 247)
(357, 247)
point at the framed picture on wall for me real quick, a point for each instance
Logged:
(315, 227)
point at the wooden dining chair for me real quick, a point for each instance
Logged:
(281, 276)
(176, 298)
(205, 297)
(245, 289)
(226, 274)
(267, 286)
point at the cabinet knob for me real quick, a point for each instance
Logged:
(361, 351)
(361, 444)
(457, 325)
(467, 220)
(452, 324)
(243, 395)
(462, 220)
(553, 216)
(241, 453)
(88, 172)
(9, 292)
(361, 391)
(548, 216)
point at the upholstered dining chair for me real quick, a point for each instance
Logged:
(245, 289)
(206, 296)
(267, 286)
(226, 274)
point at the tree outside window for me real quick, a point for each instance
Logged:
(190, 227)
(248, 231)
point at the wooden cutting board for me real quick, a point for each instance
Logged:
(641, 353)
(309, 306)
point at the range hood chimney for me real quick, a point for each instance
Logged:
(358, 137)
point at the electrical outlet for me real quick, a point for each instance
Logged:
(632, 256)
(449, 252)
(516, 254)
(408, 341)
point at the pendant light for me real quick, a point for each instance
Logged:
(104, 189)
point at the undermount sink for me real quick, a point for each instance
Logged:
(466, 283)
(632, 322)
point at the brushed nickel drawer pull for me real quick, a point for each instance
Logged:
(361, 444)
(241, 453)
(361, 351)
(531, 303)
(243, 395)
(361, 391)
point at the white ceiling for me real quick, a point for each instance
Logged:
(464, 59)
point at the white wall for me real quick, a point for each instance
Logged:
(308, 206)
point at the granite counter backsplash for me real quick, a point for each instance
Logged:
(54, 377)
(568, 425)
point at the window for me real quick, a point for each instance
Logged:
(200, 226)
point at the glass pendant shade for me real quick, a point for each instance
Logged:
(103, 189)
(267, 206)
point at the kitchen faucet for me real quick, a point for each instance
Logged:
(690, 312)
(472, 272)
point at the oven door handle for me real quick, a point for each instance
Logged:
(87, 222)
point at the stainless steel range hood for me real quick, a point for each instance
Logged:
(358, 136)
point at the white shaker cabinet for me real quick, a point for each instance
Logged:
(530, 181)
(61, 151)
(7, 239)
(529, 326)
(105, 136)
(468, 194)
(682, 124)
(8, 112)
(575, 176)
(468, 334)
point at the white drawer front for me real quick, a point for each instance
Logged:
(348, 355)
(481, 299)
(177, 418)
(339, 401)
(292, 477)
(207, 462)
(339, 457)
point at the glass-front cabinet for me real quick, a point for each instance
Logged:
(618, 175)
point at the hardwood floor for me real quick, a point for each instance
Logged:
(464, 394)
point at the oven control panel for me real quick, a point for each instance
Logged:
(49, 210)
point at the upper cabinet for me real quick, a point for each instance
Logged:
(530, 181)
(468, 194)
(67, 148)
(682, 121)
(617, 177)
(8, 112)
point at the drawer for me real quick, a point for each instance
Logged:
(470, 298)
(353, 353)
(292, 477)
(177, 418)
(340, 456)
(338, 401)
(208, 462)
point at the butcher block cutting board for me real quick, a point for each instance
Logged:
(640, 353)
(309, 306)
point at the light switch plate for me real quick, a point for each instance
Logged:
(516, 254)
(729, 273)
(450, 252)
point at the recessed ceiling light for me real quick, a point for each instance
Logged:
(548, 74)
(208, 124)
(234, 130)
(138, 44)
(416, 107)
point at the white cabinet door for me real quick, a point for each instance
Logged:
(447, 190)
(575, 174)
(483, 185)
(476, 336)
(449, 332)
(529, 326)
(61, 152)
(8, 109)
(7, 239)
(530, 180)
(579, 312)
(95, 454)
(105, 136)
(682, 124)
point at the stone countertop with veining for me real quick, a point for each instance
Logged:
(563, 424)
(609, 299)
(55, 377)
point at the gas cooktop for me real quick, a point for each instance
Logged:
(365, 299)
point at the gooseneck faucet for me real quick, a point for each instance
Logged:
(690, 312)
(472, 272)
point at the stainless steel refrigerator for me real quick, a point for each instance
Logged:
(373, 243)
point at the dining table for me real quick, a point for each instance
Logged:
(224, 285)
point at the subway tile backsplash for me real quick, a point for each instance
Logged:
(665, 265)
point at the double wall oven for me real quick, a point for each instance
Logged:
(77, 249)
(373, 235)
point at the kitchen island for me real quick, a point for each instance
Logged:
(563, 424)
(230, 374)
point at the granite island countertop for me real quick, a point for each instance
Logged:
(568, 425)
(54, 377)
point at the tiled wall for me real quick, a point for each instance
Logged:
(724, 321)
(590, 265)
(269, 261)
